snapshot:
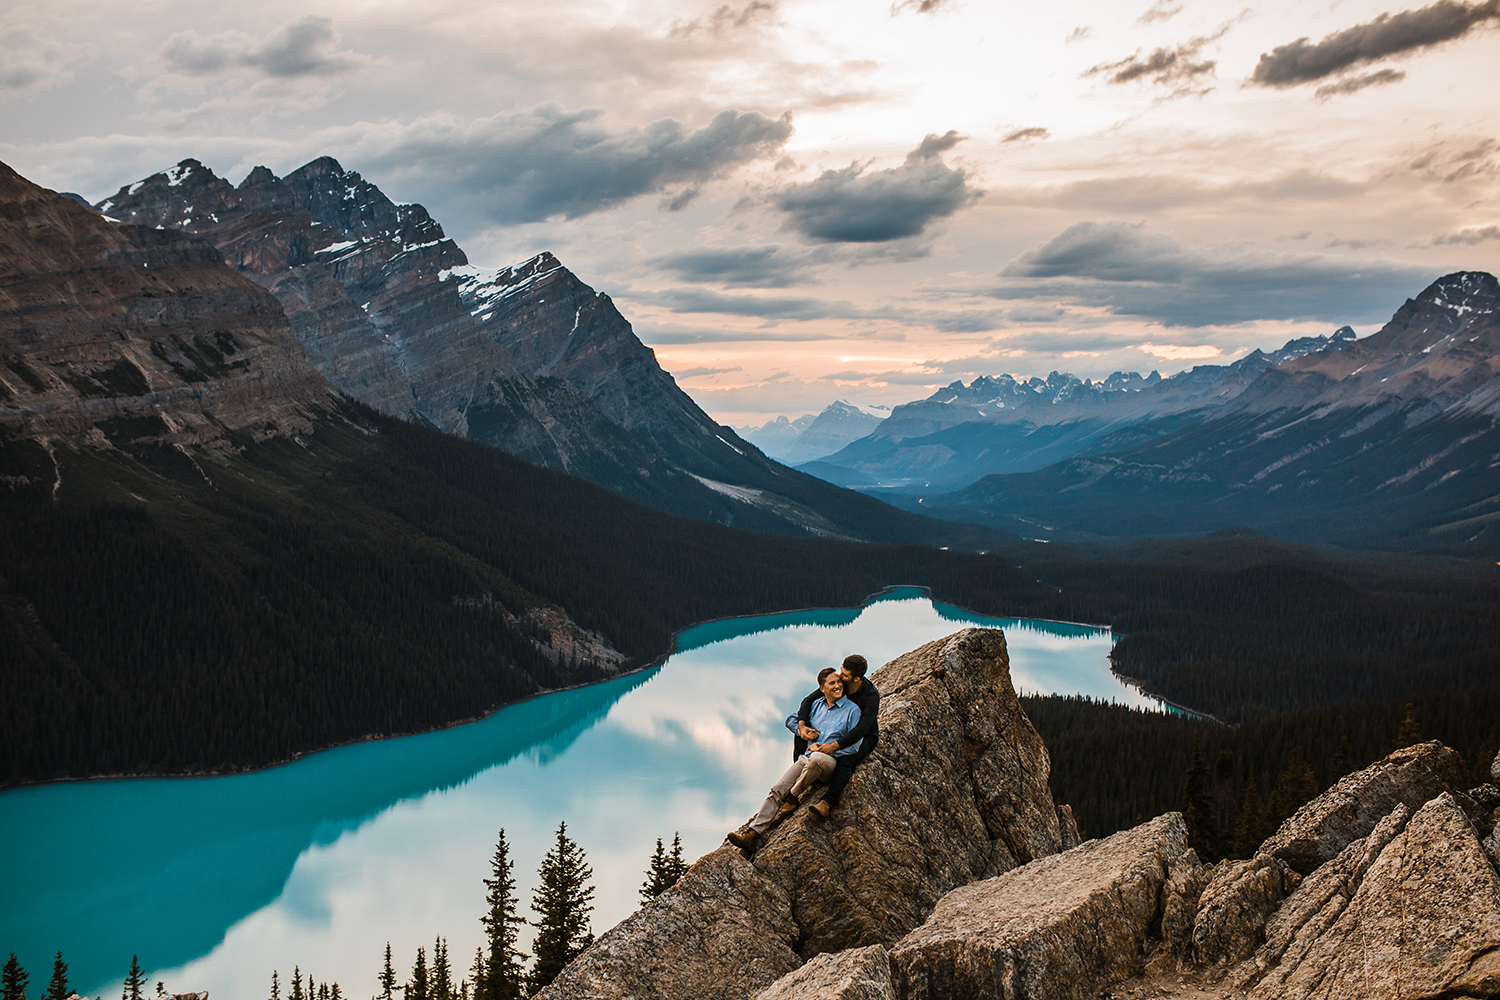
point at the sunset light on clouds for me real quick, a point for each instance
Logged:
(800, 200)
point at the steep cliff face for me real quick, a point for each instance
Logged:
(118, 331)
(528, 358)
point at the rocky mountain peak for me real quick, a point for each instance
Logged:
(1463, 292)
(118, 333)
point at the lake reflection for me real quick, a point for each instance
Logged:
(215, 882)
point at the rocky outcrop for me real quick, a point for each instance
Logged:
(1351, 809)
(1321, 898)
(120, 333)
(956, 791)
(723, 931)
(1234, 907)
(945, 873)
(1424, 922)
(1056, 928)
(856, 974)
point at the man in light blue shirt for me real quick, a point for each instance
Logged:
(833, 716)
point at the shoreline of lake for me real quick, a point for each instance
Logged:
(654, 663)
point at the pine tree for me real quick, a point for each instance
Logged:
(1197, 808)
(387, 977)
(335, 993)
(665, 869)
(275, 985)
(1410, 733)
(57, 989)
(296, 993)
(563, 900)
(478, 972)
(161, 988)
(1223, 796)
(416, 989)
(1294, 787)
(13, 980)
(499, 977)
(1249, 821)
(1341, 765)
(652, 887)
(442, 980)
(134, 981)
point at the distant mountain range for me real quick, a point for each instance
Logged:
(813, 436)
(527, 358)
(997, 424)
(1389, 442)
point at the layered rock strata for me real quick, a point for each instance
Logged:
(528, 359)
(957, 791)
(113, 332)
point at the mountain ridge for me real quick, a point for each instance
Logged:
(1390, 441)
(526, 358)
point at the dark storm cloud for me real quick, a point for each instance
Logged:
(1355, 84)
(1174, 67)
(548, 162)
(1132, 272)
(768, 265)
(302, 48)
(1388, 35)
(1022, 134)
(855, 205)
(768, 307)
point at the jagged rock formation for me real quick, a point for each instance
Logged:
(120, 332)
(897, 898)
(1386, 442)
(528, 358)
(1051, 929)
(1351, 808)
(956, 791)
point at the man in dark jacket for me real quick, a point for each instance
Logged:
(859, 690)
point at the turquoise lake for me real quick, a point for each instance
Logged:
(214, 882)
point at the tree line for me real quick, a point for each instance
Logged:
(562, 903)
(1117, 766)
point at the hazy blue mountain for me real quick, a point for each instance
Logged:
(999, 424)
(1392, 441)
(809, 437)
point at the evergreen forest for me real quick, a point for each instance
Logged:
(169, 612)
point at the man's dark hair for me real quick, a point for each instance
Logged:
(856, 665)
(824, 673)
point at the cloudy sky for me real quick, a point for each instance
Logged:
(802, 200)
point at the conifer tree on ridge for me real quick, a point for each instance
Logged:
(500, 977)
(563, 900)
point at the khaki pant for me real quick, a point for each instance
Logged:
(804, 772)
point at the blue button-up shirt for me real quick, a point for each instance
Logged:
(831, 722)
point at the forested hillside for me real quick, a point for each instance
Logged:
(167, 612)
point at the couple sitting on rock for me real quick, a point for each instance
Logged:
(834, 730)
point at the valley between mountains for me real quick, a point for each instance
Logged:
(283, 470)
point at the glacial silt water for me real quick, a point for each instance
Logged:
(214, 882)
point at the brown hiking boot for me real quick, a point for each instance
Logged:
(822, 809)
(744, 841)
(787, 808)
